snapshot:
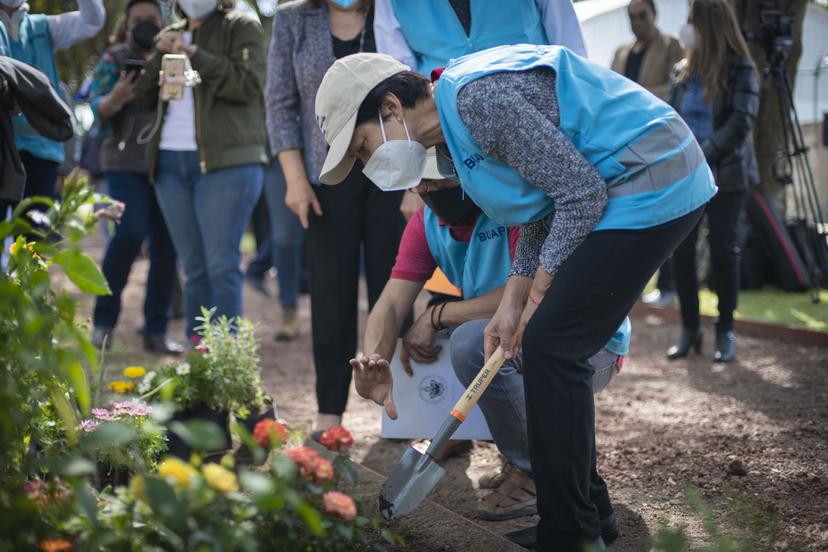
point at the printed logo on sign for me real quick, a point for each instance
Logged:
(473, 160)
(433, 389)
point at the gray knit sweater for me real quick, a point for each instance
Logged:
(514, 118)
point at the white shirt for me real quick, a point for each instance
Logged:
(559, 21)
(178, 132)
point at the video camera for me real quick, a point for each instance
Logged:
(775, 34)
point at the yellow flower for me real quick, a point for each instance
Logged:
(121, 387)
(135, 372)
(138, 487)
(14, 247)
(219, 478)
(178, 473)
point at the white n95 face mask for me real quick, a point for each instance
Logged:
(198, 9)
(396, 164)
(687, 36)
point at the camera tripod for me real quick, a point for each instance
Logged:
(792, 167)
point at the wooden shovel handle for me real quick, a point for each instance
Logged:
(479, 385)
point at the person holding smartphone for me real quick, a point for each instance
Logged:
(123, 161)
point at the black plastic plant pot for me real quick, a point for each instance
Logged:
(108, 474)
(178, 448)
(250, 422)
(243, 455)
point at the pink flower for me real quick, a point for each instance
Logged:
(89, 426)
(104, 414)
(323, 471)
(339, 504)
(130, 408)
(306, 458)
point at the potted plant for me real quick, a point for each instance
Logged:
(221, 377)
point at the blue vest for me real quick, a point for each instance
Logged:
(434, 32)
(654, 169)
(33, 46)
(476, 267)
(483, 264)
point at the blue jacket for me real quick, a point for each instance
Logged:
(476, 267)
(654, 169)
(34, 47)
(434, 33)
(482, 265)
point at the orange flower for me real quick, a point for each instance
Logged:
(55, 545)
(306, 458)
(336, 438)
(339, 504)
(270, 432)
(323, 471)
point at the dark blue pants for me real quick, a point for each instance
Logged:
(142, 220)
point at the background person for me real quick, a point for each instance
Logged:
(123, 161)
(649, 61)
(34, 39)
(27, 89)
(207, 159)
(279, 243)
(341, 221)
(565, 150)
(717, 93)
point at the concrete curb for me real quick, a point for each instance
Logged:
(746, 327)
(431, 527)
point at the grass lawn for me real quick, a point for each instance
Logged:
(776, 306)
(771, 305)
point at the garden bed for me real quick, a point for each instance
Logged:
(661, 427)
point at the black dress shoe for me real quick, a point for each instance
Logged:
(690, 339)
(526, 537)
(725, 346)
(162, 345)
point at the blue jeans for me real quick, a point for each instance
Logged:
(142, 220)
(286, 236)
(207, 214)
(504, 402)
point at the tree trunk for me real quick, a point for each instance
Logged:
(768, 132)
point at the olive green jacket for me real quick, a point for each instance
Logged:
(229, 106)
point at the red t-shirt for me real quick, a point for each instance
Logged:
(414, 260)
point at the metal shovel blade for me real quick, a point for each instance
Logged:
(412, 479)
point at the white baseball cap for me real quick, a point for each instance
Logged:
(344, 87)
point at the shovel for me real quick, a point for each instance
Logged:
(417, 473)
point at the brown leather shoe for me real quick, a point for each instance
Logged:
(515, 497)
(494, 480)
(289, 328)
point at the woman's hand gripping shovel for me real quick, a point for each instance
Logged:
(417, 473)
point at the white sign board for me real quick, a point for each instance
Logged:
(424, 400)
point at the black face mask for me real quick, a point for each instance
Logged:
(451, 205)
(144, 33)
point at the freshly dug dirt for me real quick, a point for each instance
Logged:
(758, 427)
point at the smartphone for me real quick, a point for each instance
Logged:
(134, 65)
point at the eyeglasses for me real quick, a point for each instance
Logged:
(642, 16)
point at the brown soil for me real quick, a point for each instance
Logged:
(662, 427)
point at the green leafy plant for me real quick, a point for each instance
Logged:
(291, 504)
(221, 372)
(45, 355)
